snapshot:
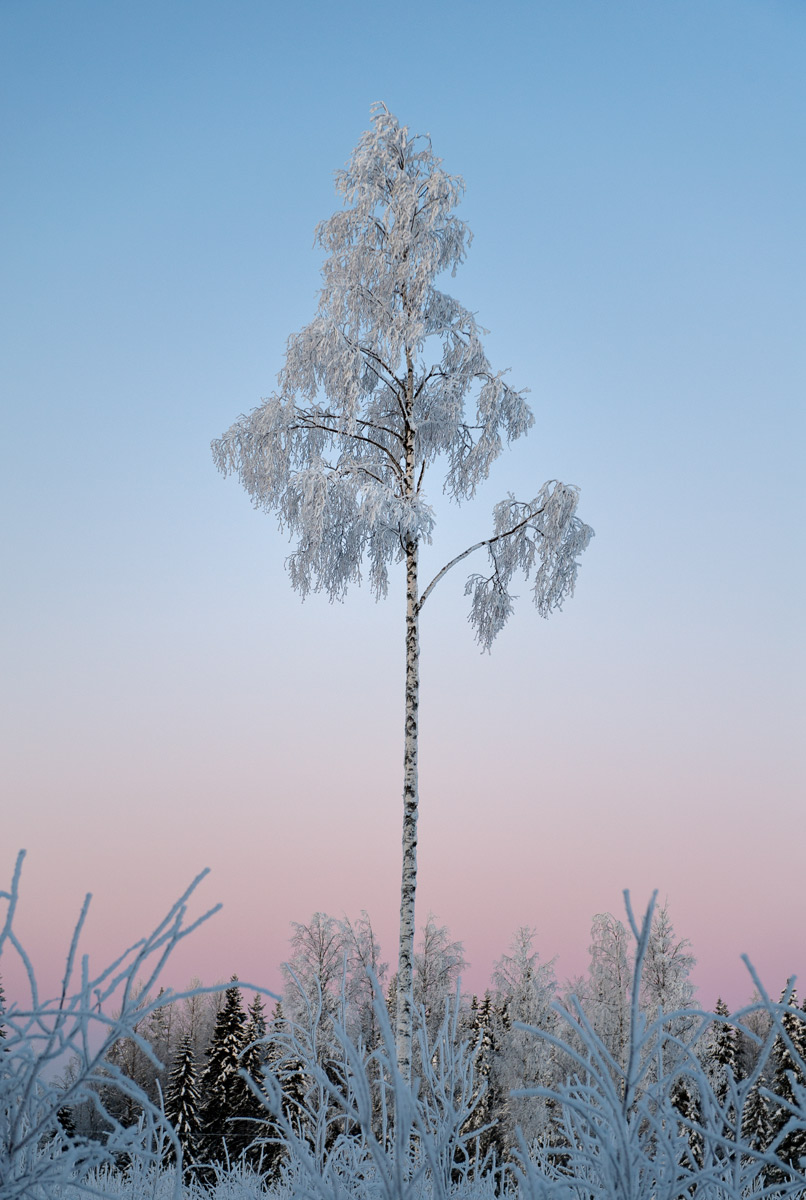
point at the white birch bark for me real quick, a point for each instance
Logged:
(408, 883)
(404, 1016)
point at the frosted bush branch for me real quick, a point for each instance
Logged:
(360, 1129)
(36, 1153)
(624, 1134)
(650, 1120)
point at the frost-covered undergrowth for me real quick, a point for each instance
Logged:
(74, 1033)
(654, 1125)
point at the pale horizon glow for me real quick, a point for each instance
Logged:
(635, 184)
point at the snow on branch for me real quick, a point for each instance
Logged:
(75, 1032)
(541, 539)
(388, 376)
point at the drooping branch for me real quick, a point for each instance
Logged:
(541, 539)
(397, 385)
(381, 429)
(330, 416)
(470, 550)
(309, 423)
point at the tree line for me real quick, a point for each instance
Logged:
(208, 1057)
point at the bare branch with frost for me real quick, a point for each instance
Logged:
(37, 1156)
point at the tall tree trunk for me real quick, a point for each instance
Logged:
(408, 885)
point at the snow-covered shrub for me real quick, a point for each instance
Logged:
(74, 1032)
(354, 1128)
(668, 1112)
(653, 1125)
(147, 1181)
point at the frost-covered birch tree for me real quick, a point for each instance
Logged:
(605, 994)
(388, 384)
(525, 990)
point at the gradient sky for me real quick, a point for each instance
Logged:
(636, 186)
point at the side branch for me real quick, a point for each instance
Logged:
(309, 423)
(478, 546)
(398, 386)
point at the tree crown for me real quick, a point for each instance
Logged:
(389, 376)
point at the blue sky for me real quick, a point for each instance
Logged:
(635, 183)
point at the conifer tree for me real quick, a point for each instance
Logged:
(283, 1061)
(485, 1117)
(721, 1056)
(256, 1019)
(469, 1018)
(225, 1094)
(483, 1036)
(254, 1124)
(253, 1056)
(685, 1100)
(723, 1052)
(756, 1122)
(182, 1102)
(789, 1079)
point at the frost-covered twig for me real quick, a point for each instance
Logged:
(37, 1153)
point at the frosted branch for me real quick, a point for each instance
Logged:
(542, 539)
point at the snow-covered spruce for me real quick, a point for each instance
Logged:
(182, 1103)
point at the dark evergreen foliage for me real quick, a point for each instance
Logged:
(220, 1116)
(789, 1083)
(756, 1123)
(256, 1019)
(226, 1099)
(485, 1118)
(721, 1067)
(255, 1127)
(686, 1101)
(286, 1066)
(183, 1102)
(723, 1049)
(66, 1122)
